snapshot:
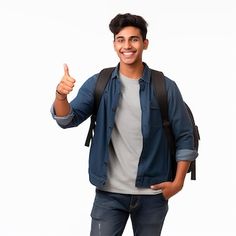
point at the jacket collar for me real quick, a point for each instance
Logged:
(145, 77)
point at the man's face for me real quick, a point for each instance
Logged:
(129, 45)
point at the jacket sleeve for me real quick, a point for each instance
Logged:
(181, 124)
(81, 105)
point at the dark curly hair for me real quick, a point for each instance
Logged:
(122, 20)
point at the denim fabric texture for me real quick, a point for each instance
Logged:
(155, 160)
(112, 210)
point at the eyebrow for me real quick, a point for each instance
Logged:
(131, 37)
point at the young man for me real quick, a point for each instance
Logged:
(129, 160)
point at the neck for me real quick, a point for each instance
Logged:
(132, 71)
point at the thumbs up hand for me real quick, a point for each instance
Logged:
(66, 84)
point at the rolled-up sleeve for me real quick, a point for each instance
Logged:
(186, 155)
(181, 126)
(62, 121)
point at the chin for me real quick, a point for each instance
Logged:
(128, 62)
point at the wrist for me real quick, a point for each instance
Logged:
(60, 96)
(178, 184)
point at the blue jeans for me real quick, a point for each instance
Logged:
(111, 211)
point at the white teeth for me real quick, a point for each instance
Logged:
(127, 53)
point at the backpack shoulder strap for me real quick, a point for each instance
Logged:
(158, 82)
(102, 80)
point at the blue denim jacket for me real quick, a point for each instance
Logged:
(154, 163)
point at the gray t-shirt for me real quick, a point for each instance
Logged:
(126, 142)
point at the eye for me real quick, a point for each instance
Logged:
(135, 39)
(119, 40)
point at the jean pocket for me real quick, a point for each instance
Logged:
(163, 197)
(104, 199)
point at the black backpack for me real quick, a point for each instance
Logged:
(158, 81)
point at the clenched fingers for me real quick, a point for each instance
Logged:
(67, 82)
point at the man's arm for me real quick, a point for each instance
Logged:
(61, 105)
(169, 189)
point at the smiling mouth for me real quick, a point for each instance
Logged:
(128, 54)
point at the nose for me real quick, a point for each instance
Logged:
(127, 44)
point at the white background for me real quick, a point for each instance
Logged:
(44, 187)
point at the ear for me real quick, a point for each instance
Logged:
(145, 44)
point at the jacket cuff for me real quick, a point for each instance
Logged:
(62, 120)
(186, 155)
